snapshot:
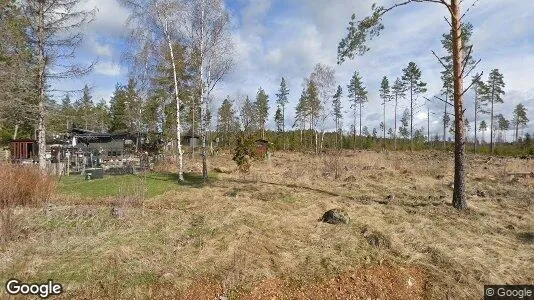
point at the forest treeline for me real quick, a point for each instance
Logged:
(327, 115)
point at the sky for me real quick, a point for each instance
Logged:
(286, 38)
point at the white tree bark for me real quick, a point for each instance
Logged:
(178, 125)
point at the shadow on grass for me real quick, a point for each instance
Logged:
(526, 237)
(190, 179)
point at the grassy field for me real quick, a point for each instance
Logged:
(152, 184)
(257, 236)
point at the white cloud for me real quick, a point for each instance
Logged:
(108, 68)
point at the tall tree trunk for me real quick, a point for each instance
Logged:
(284, 126)
(411, 116)
(476, 111)
(384, 135)
(459, 199)
(395, 132)
(360, 118)
(491, 120)
(176, 97)
(193, 138)
(428, 125)
(41, 128)
(445, 124)
(203, 104)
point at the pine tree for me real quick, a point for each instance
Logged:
(482, 128)
(338, 114)
(227, 123)
(357, 96)
(118, 110)
(481, 92)
(520, 119)
(496, 91)
(279, 119)
(85, 108)
(247, 115)
(398, 90)
(385, 95)
(405, 121)
(281, 100)
(262, 110)
(412, 79)
(301, 113)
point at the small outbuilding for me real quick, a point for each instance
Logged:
(262, 147)
(23, 150)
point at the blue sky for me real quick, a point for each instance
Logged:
(275, 38)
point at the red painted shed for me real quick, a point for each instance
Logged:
(23, 149)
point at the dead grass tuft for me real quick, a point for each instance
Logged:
(24, 186)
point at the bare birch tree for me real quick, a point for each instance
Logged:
(207, 31)
(324, 78)
(156, 23)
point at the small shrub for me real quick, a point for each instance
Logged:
(244, 151)
(24, 186)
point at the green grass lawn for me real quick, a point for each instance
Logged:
(154, 183)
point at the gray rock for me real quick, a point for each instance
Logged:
(117, 212)
(335, 216)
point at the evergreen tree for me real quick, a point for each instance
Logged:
(247, 115)
(281, 100)
(279, 120)
(520, 119)
(398, 90)
(357, 96)
(101, 114)
(482, 128)
(262, 110)
(301, 113)
(227, 122)
(85, 108)
(365, 131)
(481, 91)
(385, 95)
(118, 110)
(412, 79)
(405, 122)
(338, 114)
(502, 125)
(495, 86)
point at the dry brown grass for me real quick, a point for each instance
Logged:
(260, 236)
(24, 185)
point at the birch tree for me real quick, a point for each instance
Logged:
(355, 43)
(323, 76)
(156, 23)
(207, 32)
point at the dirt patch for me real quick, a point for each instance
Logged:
(379, 282)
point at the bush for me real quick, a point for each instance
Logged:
(24, 186)
(243, 153)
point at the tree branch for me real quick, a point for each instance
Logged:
(464, 63)
(472, 68)
(473, 82)
(472, 5)
(439, 59)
